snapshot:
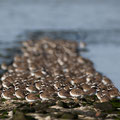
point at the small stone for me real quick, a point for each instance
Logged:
(69, 116)
(19, 116)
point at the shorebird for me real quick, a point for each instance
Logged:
(104, 99)
(82, 45)
(45, 95)
(8, 94)
(114, 92)
(99, 94)
(4, 66)
(86, 87)
(38, 85)
(106, 81)
(76, 92)
(32, 97)
(38, 74)
(6, 84)
(48, 68)
(63, 94)
(31, 89)
(19, 94)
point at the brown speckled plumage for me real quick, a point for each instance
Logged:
(53, 68)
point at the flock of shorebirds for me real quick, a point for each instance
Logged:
(47, 69)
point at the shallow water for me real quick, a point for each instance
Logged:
(106, 59)
(96, 22)
(19, 15)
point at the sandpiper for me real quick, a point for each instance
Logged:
(45, 95)
(4, 66)
(68, 87)
(19, 94)
(10, 79)
(11, 69)
(20, 69)
(102, 86)
(98, 76)
(82, 45)
(106, 81)
(6, 84)
(44, 71)
(57, 85)
(7, 94)
(31, 88)
(78, 81)
(104, 99)
(89, 79)
(38, 85)
(17, 58)
(60, 62)
(32, 66)
(105, 93)
(99, 94)
(92, 91)
(86, 87)
(3, 77)
(76, 92)
(16, 64)
(38, 74)
(32, 97)
(47, 68)
(26, 43)
(63, 94)
(114, 92)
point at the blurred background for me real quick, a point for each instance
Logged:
(97, 22)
